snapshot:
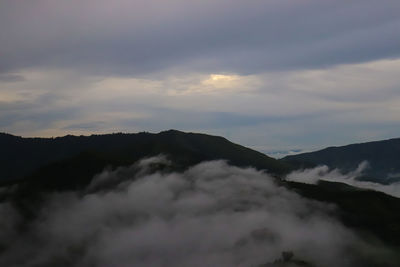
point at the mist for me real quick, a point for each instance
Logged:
(212, 214)
(313, 175)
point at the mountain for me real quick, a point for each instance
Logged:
(75, 159)
(366, 210)
(383, 158)
(38, 166)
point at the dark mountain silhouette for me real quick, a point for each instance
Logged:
(369, 211)
(39, 165)
(75, 159)
(383, 158)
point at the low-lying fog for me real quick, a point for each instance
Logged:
(213, 214)
(313, 175)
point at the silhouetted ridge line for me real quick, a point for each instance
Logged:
(382, 156)
(31, 157)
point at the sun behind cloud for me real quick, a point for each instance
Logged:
(221, 80)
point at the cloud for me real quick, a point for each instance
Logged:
(306, 72)
(212, 214)
(269, 111)
(312, 176)
(10, 78)
(141, 37)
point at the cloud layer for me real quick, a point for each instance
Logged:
(312, 176)
(138, 37)
(269, 111)
(213, 214)
(266, 74)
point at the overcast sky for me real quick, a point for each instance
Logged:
(269, 74)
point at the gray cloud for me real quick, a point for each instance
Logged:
(11, 78)
(138, 37)
(213, 214)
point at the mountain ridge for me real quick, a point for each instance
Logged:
(382, 157)
(22, 157)
(75, 170)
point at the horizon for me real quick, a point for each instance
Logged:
(272, 75)
(277, 154)
(200, 133)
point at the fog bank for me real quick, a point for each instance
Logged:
(313, 175)
(213, 214)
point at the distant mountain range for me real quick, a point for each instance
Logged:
(24, 157)
(383, 158)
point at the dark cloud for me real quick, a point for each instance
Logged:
(138, 37)
(163, 118)
(11, 78)
(37, 113)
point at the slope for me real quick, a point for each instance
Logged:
(382, 156)
(43, 157)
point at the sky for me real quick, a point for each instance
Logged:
(273, 75)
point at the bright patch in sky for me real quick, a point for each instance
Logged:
(219, 78)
